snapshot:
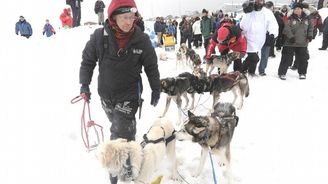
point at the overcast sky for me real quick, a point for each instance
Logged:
(177, 7)
(153, 8)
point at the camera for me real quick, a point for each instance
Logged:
(251, 5)
(248, 6)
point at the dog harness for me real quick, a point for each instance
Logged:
(162, 139)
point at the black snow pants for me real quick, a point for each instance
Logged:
(249, 64)
(122, 117)
(301, 56)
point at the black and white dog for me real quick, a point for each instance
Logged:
(178, 87)
(213, 133)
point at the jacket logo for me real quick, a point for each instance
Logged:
(124, 107)
(137, 51)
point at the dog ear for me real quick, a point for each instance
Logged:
(190, 114)
(197, 130)
(163, 83)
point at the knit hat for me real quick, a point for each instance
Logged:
(204, 11)
(269, 4)
(298, 5)
(121, 6)
(223, 34)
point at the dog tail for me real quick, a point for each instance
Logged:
(247, 88)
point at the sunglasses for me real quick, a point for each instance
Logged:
(127, 18)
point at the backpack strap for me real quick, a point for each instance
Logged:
(105, 43)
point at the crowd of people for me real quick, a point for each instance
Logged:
(262, 30)
(195, 31)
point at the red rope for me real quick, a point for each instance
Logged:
(85, 126)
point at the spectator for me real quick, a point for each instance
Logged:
(226, 18)
(48, 29)
(206, 28)
(299, 32)
(324, 34)
(76, 8)
(163, 29)
(23, 27)
(66, 18)
(171, 29)
(187, 32)
(255, 24)
(158, 31)
(99, 10)
(280, 39)
(175, 24)
(197, 34)
(121, 60)
(228, 37)
(269, 42)
(316, 22)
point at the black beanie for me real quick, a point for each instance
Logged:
(298, 5)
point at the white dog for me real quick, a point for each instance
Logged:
(130, 162)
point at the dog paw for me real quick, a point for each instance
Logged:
(195, 174)
(175, 177)
(221, 164)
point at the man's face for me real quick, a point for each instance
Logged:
(125, 21)
(259, 1)
(21, 18)
(298, 11)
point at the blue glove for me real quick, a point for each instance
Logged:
(155, 97)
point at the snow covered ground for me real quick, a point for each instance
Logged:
(280, 138)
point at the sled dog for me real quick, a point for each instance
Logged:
(234, 81)
(222, 62)
(133, 161)
(213, 133)
(175, 88)
(181, 57)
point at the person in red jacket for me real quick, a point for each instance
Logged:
(66, 18)
(228, 37)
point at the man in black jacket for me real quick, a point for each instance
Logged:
(99, 10)
(76, 8)
(121, 50)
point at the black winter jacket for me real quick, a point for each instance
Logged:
(99, 6)
(119, 74)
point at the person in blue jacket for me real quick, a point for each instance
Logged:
(48, 29)
(23, 27)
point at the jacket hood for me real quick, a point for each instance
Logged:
(115, 4)
(67, 11)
